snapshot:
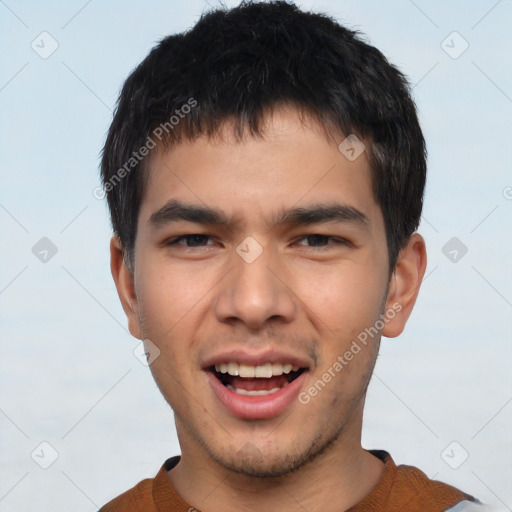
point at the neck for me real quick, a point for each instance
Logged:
(335, 480)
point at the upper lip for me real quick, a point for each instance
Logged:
(255, 359)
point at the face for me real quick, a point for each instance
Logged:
(258, 265)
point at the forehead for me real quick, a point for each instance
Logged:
(292, 163)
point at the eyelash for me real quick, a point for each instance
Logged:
(337, 240)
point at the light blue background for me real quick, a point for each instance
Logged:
(67, 372)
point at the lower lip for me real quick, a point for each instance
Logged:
(257, 407)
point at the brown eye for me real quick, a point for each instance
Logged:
(317, 240)
(194, 240)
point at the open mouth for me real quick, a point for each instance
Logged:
(259, 380)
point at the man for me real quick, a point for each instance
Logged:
(265, 174)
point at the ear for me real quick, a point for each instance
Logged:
(123, 278)
(405, 285)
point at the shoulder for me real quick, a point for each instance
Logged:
(136, 498)
(414, 483)
(419, 483)
(414, 491)
(150, 494)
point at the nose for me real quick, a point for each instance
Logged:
(255, 294)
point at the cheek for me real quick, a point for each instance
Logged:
(168, 300)
(168, 294)
(342, 301)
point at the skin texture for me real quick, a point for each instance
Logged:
(307, 296)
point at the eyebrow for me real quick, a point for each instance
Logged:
(175, 211)
(315, 214)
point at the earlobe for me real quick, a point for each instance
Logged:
(405, 285)
(124, 281)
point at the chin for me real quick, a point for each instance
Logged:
(255, 462)
(250, 462)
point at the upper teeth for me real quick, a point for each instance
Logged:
(266, 370)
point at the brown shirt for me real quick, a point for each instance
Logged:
(402, 488)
